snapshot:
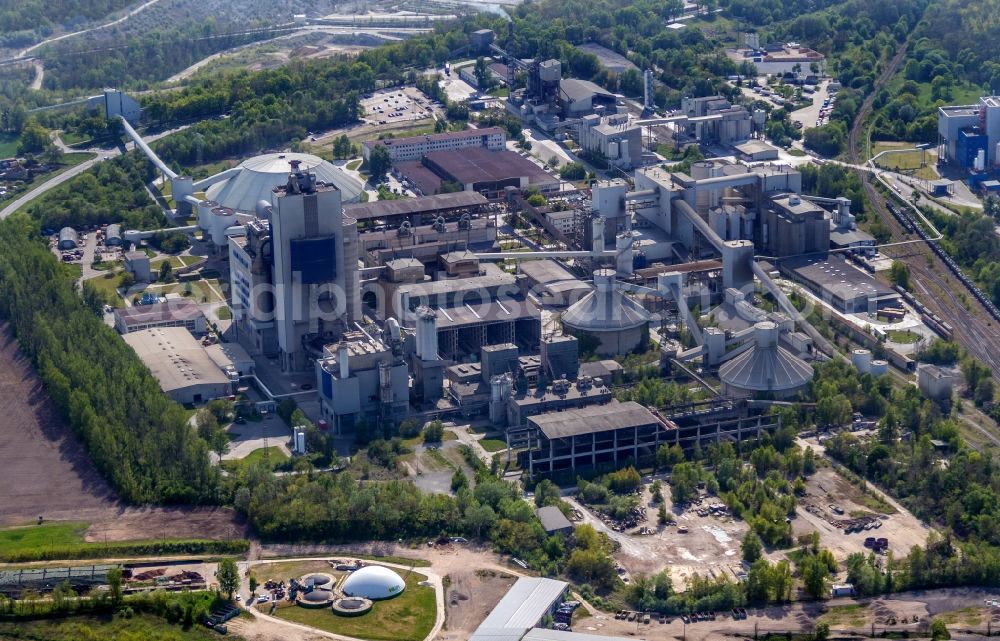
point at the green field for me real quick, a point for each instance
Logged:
(408, 617)
(269, 456)
(904, 337)
(64, 540)
(202, 291)
(907, 161)
(353, 165)
(145, 627)
(493, 444)
(8, 145)
(109, 282)
(175, 261)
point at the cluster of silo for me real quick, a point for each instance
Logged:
(865, 364)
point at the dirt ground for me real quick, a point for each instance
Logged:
(45, 471)
(472, 595)
(711, 546)
(827, 487)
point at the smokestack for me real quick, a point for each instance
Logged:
(427, 341)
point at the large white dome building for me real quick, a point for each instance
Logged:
(253, 180)
(374, 582)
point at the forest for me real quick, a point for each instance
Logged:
(22, 22)
(110, 192)
(97, 382)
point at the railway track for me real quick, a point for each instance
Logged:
(974, 328)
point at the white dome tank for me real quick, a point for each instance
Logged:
(374, 582)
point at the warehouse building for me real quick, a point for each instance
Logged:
(68, 238)
(970, 134)
(175, 312)
(113, 235)
(182, 365)
(843, 286)
(416, 147)
(523, 607)
(475, 170)
(553, 520)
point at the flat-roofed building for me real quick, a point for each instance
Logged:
(553, 520)
(840, 284)
(592, 437)
(182, 365)
(416, 147)
(179, 312)
(477, 170)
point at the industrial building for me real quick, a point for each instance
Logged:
(936, 383)
(475, 169)
(524, 607)
(609, 58)
(113, 235)
(713, 119)
(174, 312)
(615, 138)
(294, 273)
(756, 151)
(780, 58)
(137, 264)
(416, 147)
(969, 135)
(374, 582)
(616, 322)
(837, 282)
(183, 367)
(363, 377)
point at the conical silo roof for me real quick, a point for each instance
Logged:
(606, 308)
(766, 367)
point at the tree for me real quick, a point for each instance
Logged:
(822, 632)
(34, 138)
(459, 480)
(752, 547)
(114, 579)
(684, 482)
(253, 583)
(661, 515)
(669, 456)
(228, 576)
(479, 519)
(572, 171)
(899, 274)
(433, 432)
(939, 631)
(815, 576)
(547, 493)
(166, 271)
(379, 162)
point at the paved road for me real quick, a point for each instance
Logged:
(53, 182)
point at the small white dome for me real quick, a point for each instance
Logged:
(374, 582)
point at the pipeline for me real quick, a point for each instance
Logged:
(786, 306)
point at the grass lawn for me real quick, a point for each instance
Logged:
(200, 291)
(108, 283)
(907, 161)
(408, 617)
(103, 266)
(175, 261)
(31, 537)
(64, 540)
(850, 615)
(8, 145)
(353, 165)
(493, 444)
(904, 337)
(270, 456)
(140, 626)
(795, 151)
(965, 616)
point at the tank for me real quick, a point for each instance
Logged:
(880, 368)
(427, 341)
(862, 360)
(222, 219)
(205, 208)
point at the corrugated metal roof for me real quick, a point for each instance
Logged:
(521, 609)
(407, 206)
(553, 520)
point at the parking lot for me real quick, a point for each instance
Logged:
(397, 105)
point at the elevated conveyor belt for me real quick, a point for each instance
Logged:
(141, 144)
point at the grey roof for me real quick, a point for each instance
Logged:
(599, 418)
(521, 609)
(575, 89)
(175, 309)
(114, 230)
(407, 206)
(835, 275)
(766, 367)
(553, 520)
(175, 358)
